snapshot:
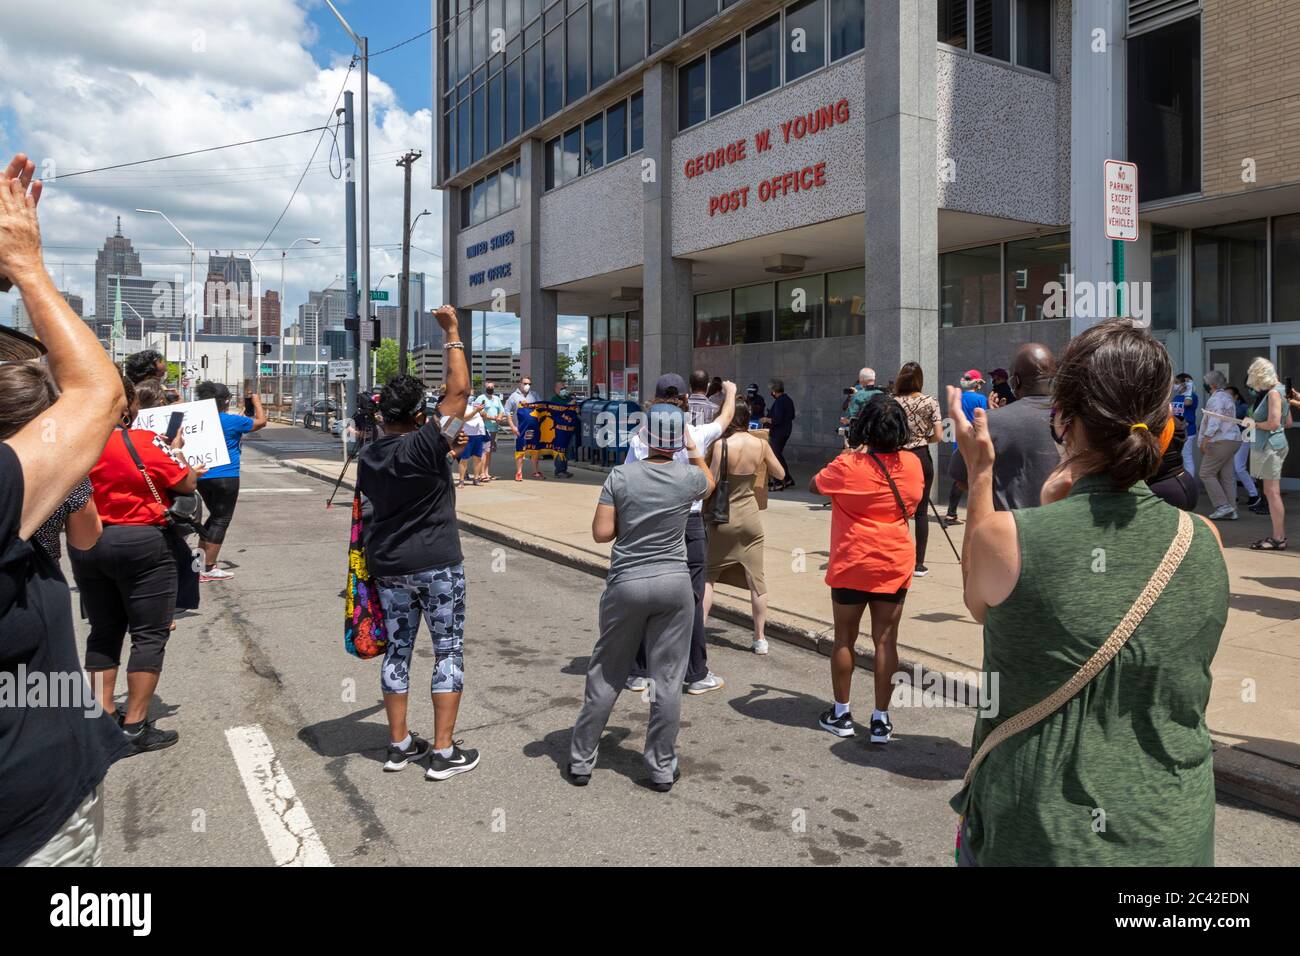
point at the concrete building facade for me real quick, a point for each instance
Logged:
(795, 190)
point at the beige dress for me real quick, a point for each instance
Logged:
(737, 546)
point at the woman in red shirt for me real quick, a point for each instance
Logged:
(128, 578)
(873, 491)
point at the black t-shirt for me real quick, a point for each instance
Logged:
(411, 522)
(53, 748)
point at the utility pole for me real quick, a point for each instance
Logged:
(404, 331)
(358, 343)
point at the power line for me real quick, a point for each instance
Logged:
(192, 152)
(310, 159)
(403, 43)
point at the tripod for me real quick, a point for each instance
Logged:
(363, 435)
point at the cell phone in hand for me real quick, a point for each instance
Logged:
(248, 406)
(174, 425)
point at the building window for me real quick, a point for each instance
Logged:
(752, 315)
(577, 56)
(532, 86)
(763, 58)
(554, 164)
(617, 360)
(553, 85)
(464, 54)
(1164, 109)
(462, 135)
(513, 21)
(692, 103)
(663, 23)
(713, 319)
(969, 283)
(631, 33)
(805, 38)
(572, 154)
(514, 98)
(846, 302)
(1044, 259)
(1013, 31)
(1286, 269)
(600, 353)
(1164, 278)
(616, 132)
(604, 59)
(696, 12)
(479, 103)
(848, 27)
(633, 383)
(1229, 266)
(635, 135)
(593, 143)
(494, 194)
(799, 305)
(532, 9)
(495, 115)
(724, 77)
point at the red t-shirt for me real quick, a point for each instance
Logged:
(871, 547)
(121, 494)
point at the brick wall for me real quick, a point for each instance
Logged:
(1251, 93)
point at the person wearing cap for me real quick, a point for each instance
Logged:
(644, 509)
(971, 399)
(1001, 388)
(671, 390)
(757, 404)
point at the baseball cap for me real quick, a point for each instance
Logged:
(669, 381)
(973, 375)
(999, 373)
(666, 427)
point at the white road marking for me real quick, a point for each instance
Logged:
(278, 491)
(288, 830)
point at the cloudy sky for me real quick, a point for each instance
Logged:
(108, 82)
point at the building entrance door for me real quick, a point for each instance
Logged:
(1286, 358)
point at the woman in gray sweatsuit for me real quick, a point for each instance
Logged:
(643, 509)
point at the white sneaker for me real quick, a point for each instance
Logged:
(637, 685)
(215, 574)
(708, 682)
(1220, 512)
(759, 646)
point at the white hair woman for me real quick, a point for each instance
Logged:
(1268, 420)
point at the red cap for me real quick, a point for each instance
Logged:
(973, 374)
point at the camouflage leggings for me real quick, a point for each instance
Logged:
(440, 594)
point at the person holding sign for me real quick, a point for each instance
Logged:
(219, 486)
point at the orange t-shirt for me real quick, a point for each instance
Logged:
(871, 546)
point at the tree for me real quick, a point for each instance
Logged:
(582, 358)
(564, 365)
(386, 362)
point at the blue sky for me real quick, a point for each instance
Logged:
(385, 23)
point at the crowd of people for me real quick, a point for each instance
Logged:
(1062, 457)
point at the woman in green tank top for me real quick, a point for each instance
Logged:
(1121, 774)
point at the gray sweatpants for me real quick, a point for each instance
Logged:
(660, 610)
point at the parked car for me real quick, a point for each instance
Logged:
(319, 411)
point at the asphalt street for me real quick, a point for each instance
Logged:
(283, 734)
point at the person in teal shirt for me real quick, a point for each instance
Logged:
(493, 409)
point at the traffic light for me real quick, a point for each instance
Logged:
(266, 348)
(203, 362)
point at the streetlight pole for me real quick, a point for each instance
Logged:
(194, 319)
(363, 264)
(283, 253)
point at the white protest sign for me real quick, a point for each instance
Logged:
(205, 443)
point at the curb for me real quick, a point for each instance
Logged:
(1262, 781)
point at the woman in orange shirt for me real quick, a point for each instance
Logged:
(873, 490)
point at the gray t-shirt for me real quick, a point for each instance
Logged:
(1026, 454)
(652, 501)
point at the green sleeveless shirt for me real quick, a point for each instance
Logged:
(1122, 774)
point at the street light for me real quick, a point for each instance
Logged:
(194, 318)
(284, 252)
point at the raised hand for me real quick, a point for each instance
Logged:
(20, 232)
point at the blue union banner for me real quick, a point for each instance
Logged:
(546, 428)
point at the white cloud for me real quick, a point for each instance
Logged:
(105, 83)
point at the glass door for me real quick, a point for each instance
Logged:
(1286, 358)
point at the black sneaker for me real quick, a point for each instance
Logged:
(578, 779)
(460, 761)
(1254, 501)
(840, 726)
(399, 758)
(921, 571)
(147, 737)
(881, 731)
(1260, 507)
(665, 787)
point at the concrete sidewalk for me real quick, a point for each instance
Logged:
(1253, 711)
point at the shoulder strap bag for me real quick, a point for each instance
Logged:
(902, 506)
(718, 509)
(186, 511)
(1104, 655)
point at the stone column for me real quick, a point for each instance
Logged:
(537, 329)
(667, 305)
(902, 229)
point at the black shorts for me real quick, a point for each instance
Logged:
(854, 596)
(219, 496)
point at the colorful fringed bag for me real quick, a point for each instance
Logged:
(364, 632)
